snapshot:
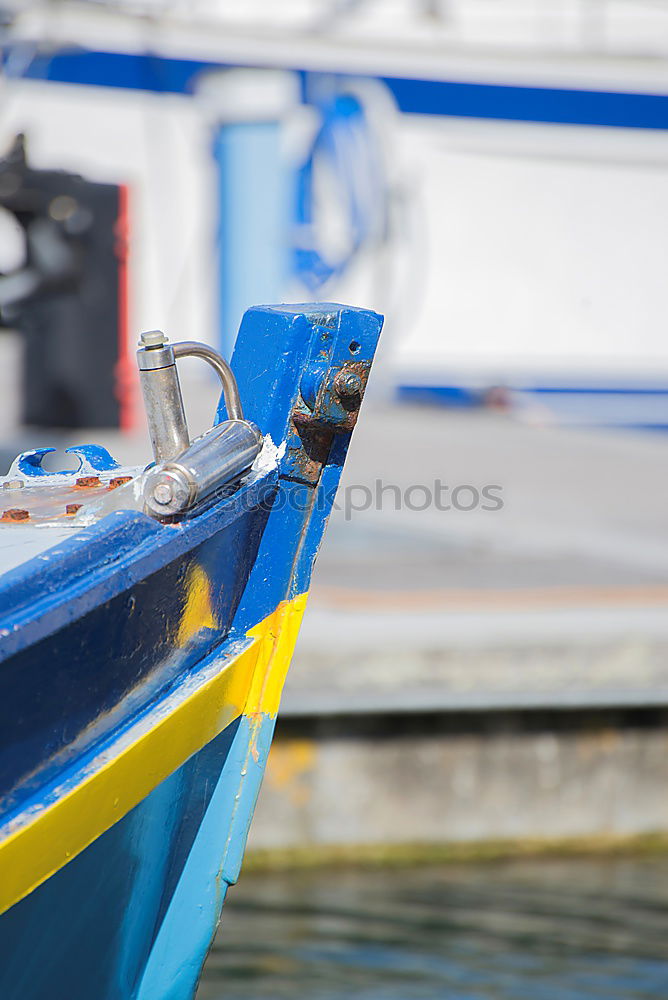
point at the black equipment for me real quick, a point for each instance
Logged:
(69, 297)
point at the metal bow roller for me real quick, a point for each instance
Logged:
(188, 472)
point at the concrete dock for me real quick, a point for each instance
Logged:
(559, 598)
(467, 675)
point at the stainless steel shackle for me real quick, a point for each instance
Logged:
(186, 473)
(161, 390)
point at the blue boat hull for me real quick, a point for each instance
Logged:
(140, 676)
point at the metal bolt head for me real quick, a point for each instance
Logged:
(166, 491)
(348, 384)
(152, 338)
(163, 493)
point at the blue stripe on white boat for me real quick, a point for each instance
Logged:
(550, 105)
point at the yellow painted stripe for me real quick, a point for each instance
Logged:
(278, 634)
(138, 762)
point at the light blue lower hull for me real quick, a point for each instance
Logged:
(133, 915)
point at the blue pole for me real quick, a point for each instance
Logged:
(255, 195)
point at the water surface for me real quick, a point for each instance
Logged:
(531, 930)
